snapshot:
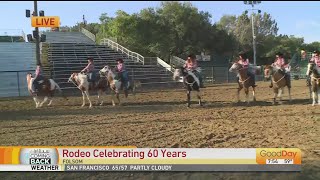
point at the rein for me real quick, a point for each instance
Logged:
(240, 80)
(75, 83)
(276, 82)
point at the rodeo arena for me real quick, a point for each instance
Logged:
(160, 109)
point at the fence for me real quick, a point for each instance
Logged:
(13, 83)
(88, 34)
(221, 74)
(115, 46)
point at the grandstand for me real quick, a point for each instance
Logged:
(66, 52)
(16, 59)
(11, 39)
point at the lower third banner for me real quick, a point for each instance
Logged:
(148, 159)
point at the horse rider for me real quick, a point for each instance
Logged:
(122, 73)
(192, 65)
(89, 69)
(244, 61)
(280, 63)
(38, 77)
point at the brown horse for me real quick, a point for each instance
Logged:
(81, 81)
(314, 72)
(116, 85)
(279, 81)
(245, 81)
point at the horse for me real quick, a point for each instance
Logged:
(314, 72)
(81, 81)
(115, 84)
(279, 81)
(47, 89)
(190, 81)
(245, 81)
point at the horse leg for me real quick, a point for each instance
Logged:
(126, 93)
(280, 95)
(44, 100)
(118, 98)
(188, 98)
(275, 92)
(83, 99)
(310, 92)
(87, 94)
(238, 93)
(253, 94)
(246, 90)
(102, 92)
(50, 98)
(99, 94)
(36, 101)
(199, 97)
(313, 98)
(318, 95)
(50, 101)
(289, 92)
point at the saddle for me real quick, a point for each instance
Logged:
(41, 83)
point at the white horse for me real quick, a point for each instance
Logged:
(46, 90)
(314, 72)
(81, 81)
(114, 84)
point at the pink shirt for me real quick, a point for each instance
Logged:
(191, 66)
(38, 71)
(279, 62)
(316, 60)
(89, 68)
(244, 63)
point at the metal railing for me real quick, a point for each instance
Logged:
(164, 64)
(14, 83)
(88, 34)
(176, 61)
(115, 46)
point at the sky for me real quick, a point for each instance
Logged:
(298, 18)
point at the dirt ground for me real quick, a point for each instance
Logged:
(161, 119)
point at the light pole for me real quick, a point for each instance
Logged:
(252, 3)
(37, 34)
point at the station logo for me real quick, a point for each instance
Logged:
(39, 156)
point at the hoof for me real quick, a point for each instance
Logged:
(101, 104)
(90, 107)
(82, 105)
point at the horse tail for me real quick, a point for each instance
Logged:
(136, 84)
(56, 86)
